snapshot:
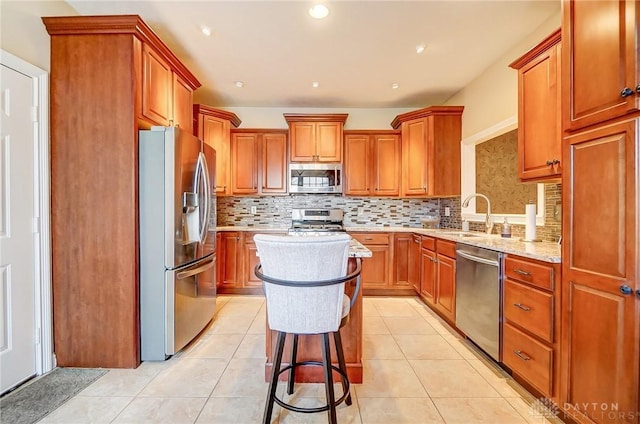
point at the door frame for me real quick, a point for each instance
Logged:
(45, 357)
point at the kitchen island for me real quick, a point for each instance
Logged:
(309, 346)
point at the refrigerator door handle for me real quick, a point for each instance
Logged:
(203, 173)
(194, 271)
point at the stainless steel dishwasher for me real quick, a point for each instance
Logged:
(478, 291)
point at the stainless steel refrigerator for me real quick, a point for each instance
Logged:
(177, 240)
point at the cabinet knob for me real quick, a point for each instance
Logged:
(626, 92)
(638, 293)
(549, 162)
(556, 161)
(624, 289)
(638, 88)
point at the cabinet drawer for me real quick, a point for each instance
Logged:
(528, 358)
(529, 272)
(371, 238)
(446, 248)
(428, 243)
(529, 308)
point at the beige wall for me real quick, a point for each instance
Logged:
(492, 97)
(22, 32)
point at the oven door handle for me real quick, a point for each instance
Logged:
(477, 259)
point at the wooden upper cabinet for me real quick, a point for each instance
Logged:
(103, 70)
(259, 164)
(600, 302)
(182, 104)
(315, 138)
(213, 126)
(244, 163)
(600, 72)
(539, 111)
(372, 163)
(430, 151)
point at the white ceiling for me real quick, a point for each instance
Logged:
(355, 54)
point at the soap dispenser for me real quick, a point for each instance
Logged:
(506, 228)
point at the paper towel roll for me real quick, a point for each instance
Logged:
(530, 222)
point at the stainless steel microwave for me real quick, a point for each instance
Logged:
(315, 178)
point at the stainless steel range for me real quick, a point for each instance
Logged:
(316, 221)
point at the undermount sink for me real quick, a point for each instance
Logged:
(461, 234)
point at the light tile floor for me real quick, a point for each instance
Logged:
(416, 370)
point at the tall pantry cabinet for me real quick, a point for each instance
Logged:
(110, 77)
(600, 346)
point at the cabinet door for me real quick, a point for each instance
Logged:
(375, 270)
(303, 141)
(600, 61)
(157, 83)
(274, 163)
(414, 263)
(250, 261)
(182, 104)
(428, 276)
(386, 166)
(539, 132)
(357, 164)
(216, 132)
(600, 320)
(244, 163)
(230, 260)
(446, 291)
(401, 251)
(414, 158)
(329, 142)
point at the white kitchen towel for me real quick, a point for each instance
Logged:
(530, 222)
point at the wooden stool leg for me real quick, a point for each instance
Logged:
(292, 371)
(328, 378)
(342, 364)
(275, 372)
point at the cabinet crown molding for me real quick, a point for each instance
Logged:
(322, 117)
(118, 25)
(552, 39)
(218, 113)
(423, 113)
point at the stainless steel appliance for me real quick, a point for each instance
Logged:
(478, 303)
(312, 221)
(177, 250)
(315, 178)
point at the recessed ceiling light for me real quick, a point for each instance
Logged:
(420, 48)
(315, 84)
(205, 30)
(319, 11)
(239, 84)
(395, 85)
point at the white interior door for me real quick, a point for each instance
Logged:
(18, 244)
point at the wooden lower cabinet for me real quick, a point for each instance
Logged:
(414, 263)
(375, 270)
(600, 286)
(446, 286)
(402, 245)
(531, 325)
(428, 271)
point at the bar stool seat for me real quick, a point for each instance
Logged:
(303, 280)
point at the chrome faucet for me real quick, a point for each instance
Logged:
(488, 221)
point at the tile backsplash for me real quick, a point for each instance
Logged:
(275, 211)
(358, 211)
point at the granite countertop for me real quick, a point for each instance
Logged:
(356, 249)
(543, 251)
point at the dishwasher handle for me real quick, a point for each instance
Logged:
(466, 255)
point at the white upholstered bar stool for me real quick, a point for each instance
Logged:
(303, 279)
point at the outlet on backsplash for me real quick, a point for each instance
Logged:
(254, 210)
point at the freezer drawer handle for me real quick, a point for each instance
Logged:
(477, 259)
(194, 271)
(521, 355)
(521, 306)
